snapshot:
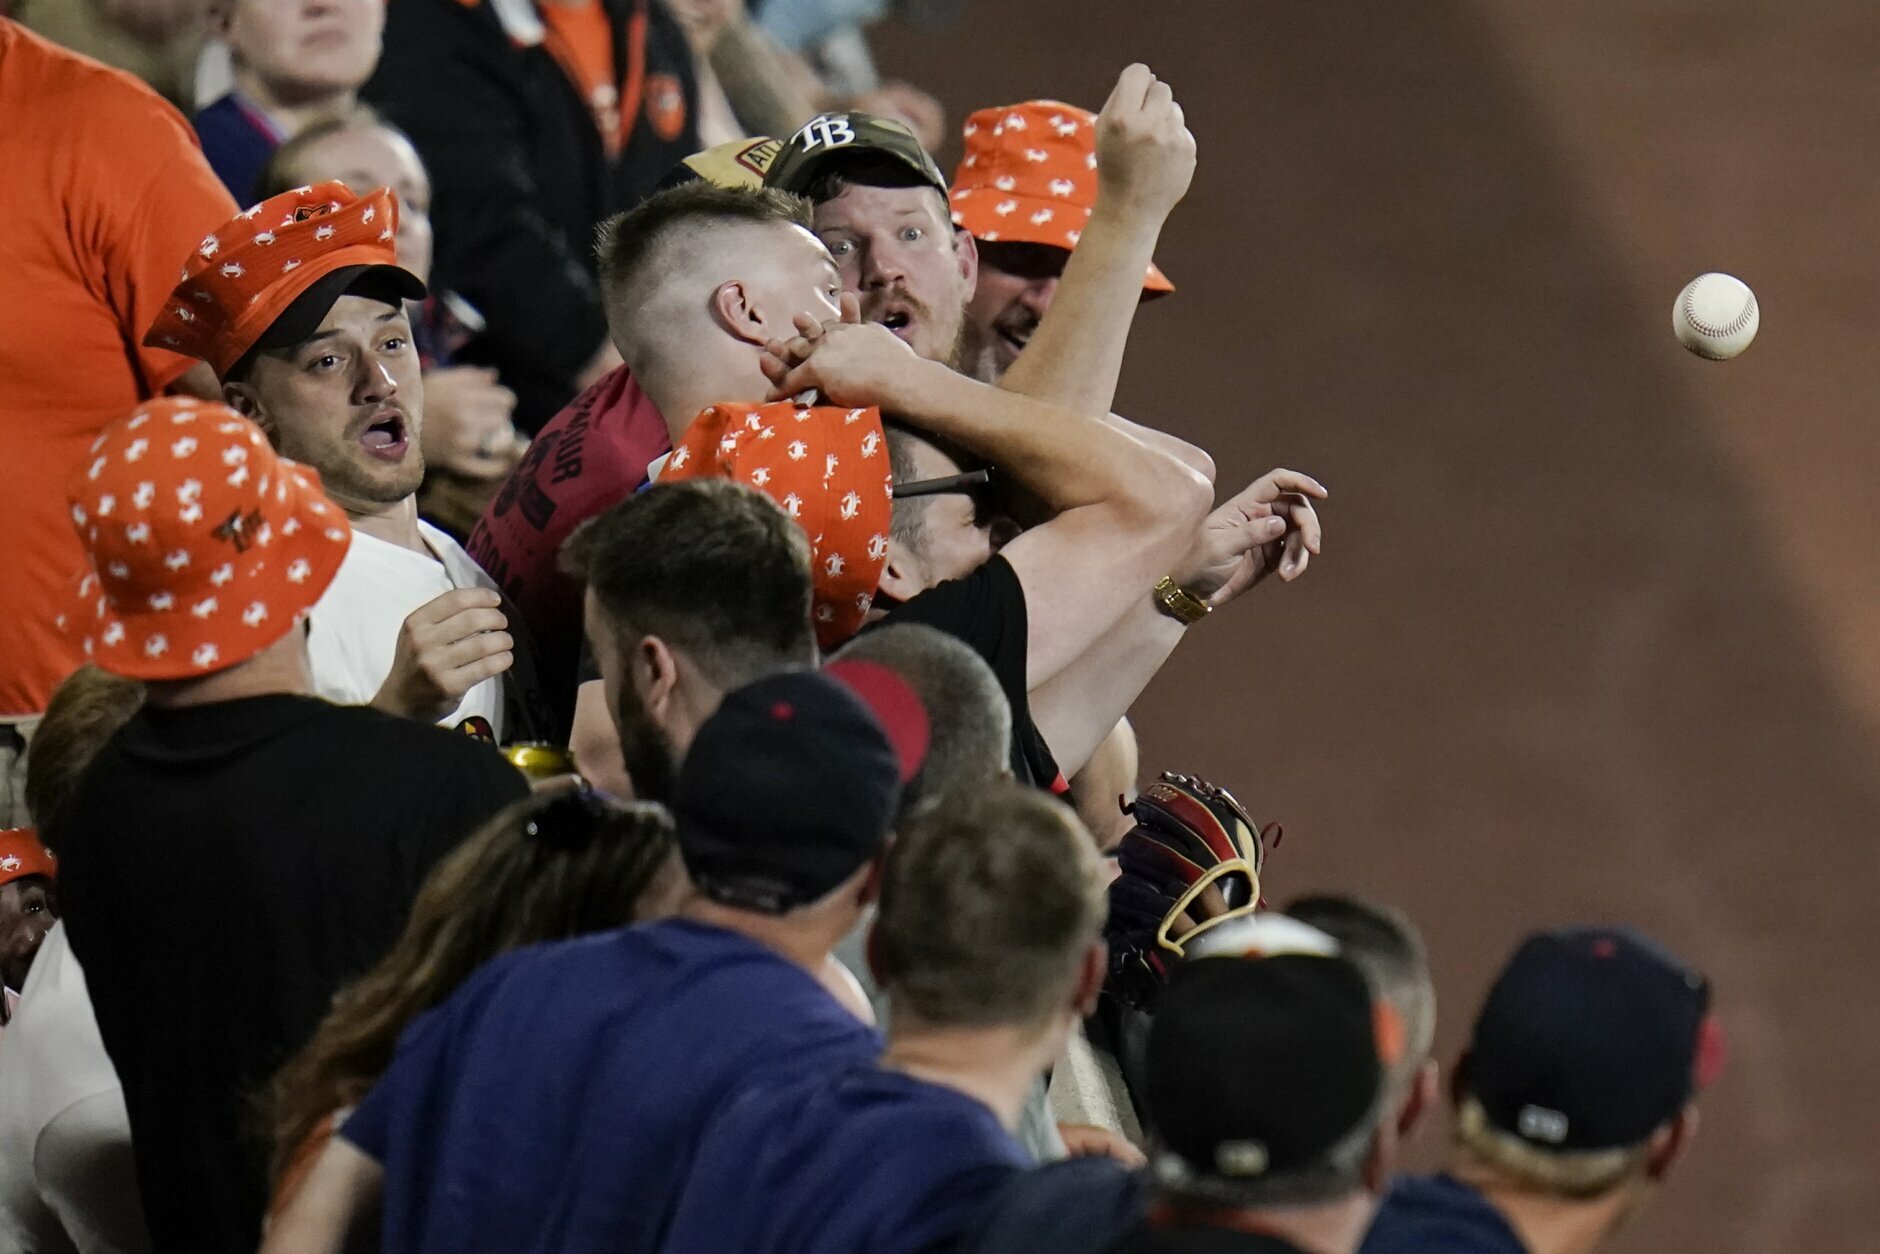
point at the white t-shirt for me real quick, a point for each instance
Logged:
(356, 621)
(67, 1178)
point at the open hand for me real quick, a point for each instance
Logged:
(1268, 526)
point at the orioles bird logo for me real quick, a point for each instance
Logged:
(235, 529)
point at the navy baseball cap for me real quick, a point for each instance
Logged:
(791, 786)
(836, 136)
(1259, 1066)
(1592, 1038)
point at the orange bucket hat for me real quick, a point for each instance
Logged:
(206, 546)
(828, 469)
(22, 854)
(243, 277)
(1030, 177)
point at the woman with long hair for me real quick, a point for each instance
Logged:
(556, 865)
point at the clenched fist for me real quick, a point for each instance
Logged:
(1145, 155)
(849, 362)
(446, 647)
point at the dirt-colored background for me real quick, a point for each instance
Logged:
(1597, 632)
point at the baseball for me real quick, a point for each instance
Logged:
(1715, 316)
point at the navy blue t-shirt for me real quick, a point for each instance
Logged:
(869, 1162)
(1430, 1214)
(239, 141)
(554, 1102)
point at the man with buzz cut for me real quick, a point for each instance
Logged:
(300, 307)
(988, 945)
(1573, 1101)
(703, 280)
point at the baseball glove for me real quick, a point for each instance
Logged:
(1191, 862)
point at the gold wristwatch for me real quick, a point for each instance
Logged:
(1180, 604)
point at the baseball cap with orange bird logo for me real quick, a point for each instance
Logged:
(268, 276)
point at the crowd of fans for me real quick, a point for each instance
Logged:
(565, 680)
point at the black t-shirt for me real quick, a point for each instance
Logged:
(225, 870)
(522, 175)
(986, 610)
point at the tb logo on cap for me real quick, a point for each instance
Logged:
(825, 132)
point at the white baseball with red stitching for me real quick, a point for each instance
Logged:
(1716, 316)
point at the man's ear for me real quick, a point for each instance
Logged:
(968, 249)
(901, 576)
(244, 400)
(241, 398)
(654, 673)
(1421, 1098)
(1091, 970)
(1669, 1142)
(734, 306)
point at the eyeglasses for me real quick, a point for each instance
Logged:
(946, 483)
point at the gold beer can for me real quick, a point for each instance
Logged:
(538, 759)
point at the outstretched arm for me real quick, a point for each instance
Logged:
(1123, 512)
(1145, 162)
(1269, 527)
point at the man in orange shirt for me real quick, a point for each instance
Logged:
(95, 224)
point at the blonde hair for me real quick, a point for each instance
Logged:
(1576, 1174)
(86, 711)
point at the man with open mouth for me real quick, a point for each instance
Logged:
(967, 277)
(299, 305)
(1024, 193)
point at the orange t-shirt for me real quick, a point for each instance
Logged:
(582, 39)
(103, 193)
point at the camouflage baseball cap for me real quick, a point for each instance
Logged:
(831, 136)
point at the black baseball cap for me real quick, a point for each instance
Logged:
(1258, 1067)
(834, 136)
(1592, 1038)
(297, 323)
(791, 786)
